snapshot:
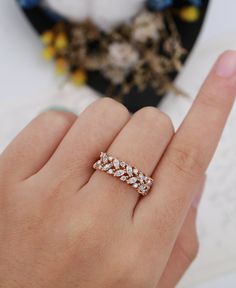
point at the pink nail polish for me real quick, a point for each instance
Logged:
(225, 66)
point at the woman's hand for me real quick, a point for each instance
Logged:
(64, 225)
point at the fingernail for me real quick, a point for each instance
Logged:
(226, 64)
(198, 196)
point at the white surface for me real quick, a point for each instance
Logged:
(28, 85)
(105, 13)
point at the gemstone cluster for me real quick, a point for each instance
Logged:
(125, 172)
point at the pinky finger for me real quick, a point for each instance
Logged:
(35, 144)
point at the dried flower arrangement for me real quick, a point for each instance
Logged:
(141, 53)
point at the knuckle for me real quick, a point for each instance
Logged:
(190, 250)
(209, 98)
(60, 118)
(148, 113)
(194, 250)
(111, 105)
(155, 117)
(186, 159)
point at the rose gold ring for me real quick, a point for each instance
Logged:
(125, 172)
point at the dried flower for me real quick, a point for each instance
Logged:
(47, 37)
(49, 53)
(146, 27)
(141, 53)
(115, 74)
(122, 55)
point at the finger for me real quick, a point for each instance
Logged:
(141, 144)
(72, 164)
(32, 148)
(189, 154)
(186, 246)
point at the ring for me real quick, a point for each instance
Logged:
(125, 172)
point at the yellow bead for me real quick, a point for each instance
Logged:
(61, 41)
(48, 53)
(61, 66)
(47, 37)
(79, 77)
(189, 14)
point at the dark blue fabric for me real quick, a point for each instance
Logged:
(159, 4)
(29, 3)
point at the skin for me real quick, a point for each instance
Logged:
(64, 225)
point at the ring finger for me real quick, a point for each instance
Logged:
(141, 144)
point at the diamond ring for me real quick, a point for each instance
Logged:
(125, 172)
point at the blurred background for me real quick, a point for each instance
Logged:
(29, 86)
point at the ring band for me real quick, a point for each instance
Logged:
(125, 172)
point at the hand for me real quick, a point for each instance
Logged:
(64, 225)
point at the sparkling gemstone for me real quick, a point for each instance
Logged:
(143, 188)
(123, 178)
(104, 158)
(135, 170)
(135, 185)
(116, 163)
(141, 178)
(110, 158)
(122, 164)
(129, 170)
(107, 167)
(110, 171)
(132, 180)
(119, 173)
(97, 164)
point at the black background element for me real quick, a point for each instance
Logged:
(135, 99)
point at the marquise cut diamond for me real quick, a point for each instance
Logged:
(122, 164)
(116, 164)
(107, 167)
(132, 180)
(129, 170)
(119, 173)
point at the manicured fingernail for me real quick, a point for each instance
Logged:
(226, 64)
(199, 192)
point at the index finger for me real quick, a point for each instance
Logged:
(190, 151)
